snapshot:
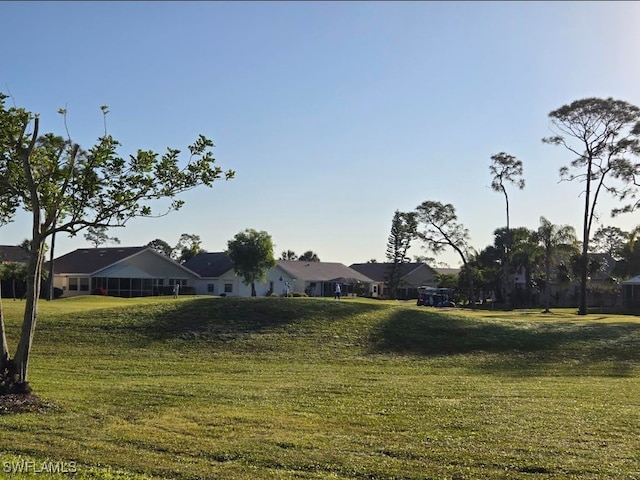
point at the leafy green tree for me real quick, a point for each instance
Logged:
(469, 279)
(554, 240)
(403, 232)
(424, 259)
(609, 240)
(98, 236)
(506, 169)
(251, 254)
(188, 247)
(309, 256)
(441, 229)
(161, 246)
(67, 189)
(446, 280)
(289, 255)
(603, 136)
(372, 260)
(629, 263)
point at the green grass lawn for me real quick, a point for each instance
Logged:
(297, 388)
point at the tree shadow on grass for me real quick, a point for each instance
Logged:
(225, 319)
(512, 346)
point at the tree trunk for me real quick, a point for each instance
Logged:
(527, 285)
(3, 338)
(584, 261)
(547, 273)
(53, 246)
(6, 372)
(505, 282)
(253, 289)
(21, 358)
(585, 245)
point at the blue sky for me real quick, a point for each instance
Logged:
(332, 114)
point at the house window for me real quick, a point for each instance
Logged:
(210, 288)
(84, 284)
(73, 284)
(228, 287)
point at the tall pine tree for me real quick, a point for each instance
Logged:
(403, 231)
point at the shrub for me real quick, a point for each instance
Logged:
(299, 294)
(99, 291)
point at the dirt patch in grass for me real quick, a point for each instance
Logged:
(23, 403)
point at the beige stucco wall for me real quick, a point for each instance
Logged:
(153, 265)
(422, 275)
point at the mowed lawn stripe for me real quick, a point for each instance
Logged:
(315, 388)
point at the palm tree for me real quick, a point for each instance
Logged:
(506, 168)
(525, 253)
(14, 271)
(554, 240)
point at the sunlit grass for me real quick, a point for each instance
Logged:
(317, 388)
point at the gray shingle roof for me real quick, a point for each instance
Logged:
(321, 271)
(89, 260)
(210, 265)
(377, 271)
(13, 253)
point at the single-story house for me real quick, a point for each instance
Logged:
(318, 279)
(217, 277)
(412, 276)
(631, 293)
(119, 271)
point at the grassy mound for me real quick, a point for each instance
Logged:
(314, 388)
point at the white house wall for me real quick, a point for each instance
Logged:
(275, 281)
(272, 280)
(240, 289)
